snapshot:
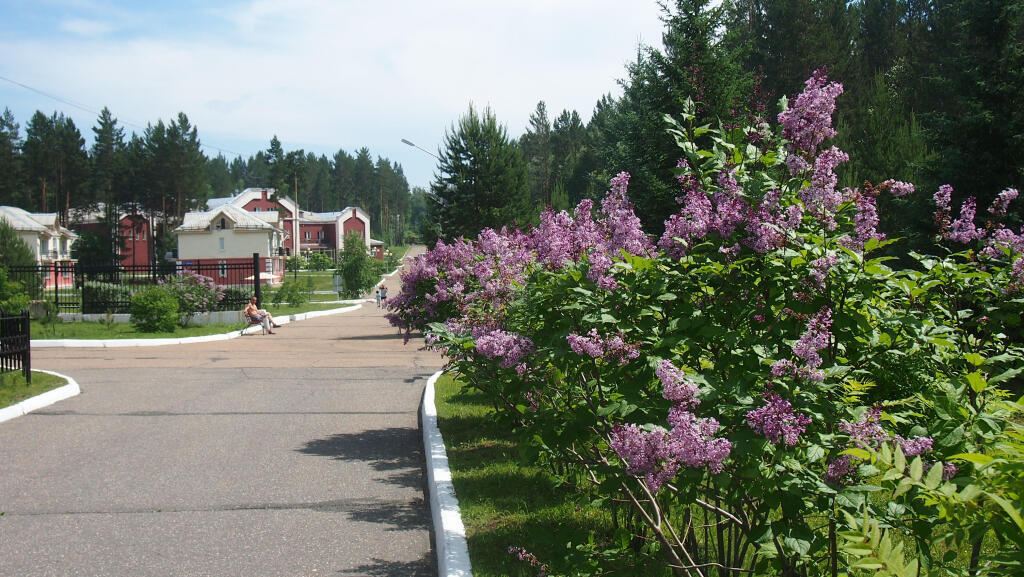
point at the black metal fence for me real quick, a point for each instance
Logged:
(15, 339)
(88, 289)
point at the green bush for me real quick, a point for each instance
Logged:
(13, 298)
(195, 294)
(356, 267)
(154, 310)
(297, 262)
(234, 298)
(103, 297)
(320, 261)
(291, 292)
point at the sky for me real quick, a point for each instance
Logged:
(320, 75)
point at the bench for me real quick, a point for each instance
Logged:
(250, 321)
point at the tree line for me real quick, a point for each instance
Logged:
(163, 173)
(931, 96)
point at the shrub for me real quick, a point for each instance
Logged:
(102, 297)
(764, 395)
(195, 294)
(296, 262)
(319, 261)
(292, 292)
(356, 267)
(13, 298)
(234, 298)
(155, 310)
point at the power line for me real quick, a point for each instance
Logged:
(97, 113)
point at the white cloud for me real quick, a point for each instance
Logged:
(327, 75)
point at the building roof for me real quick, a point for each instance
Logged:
(242, 219)
(38, 222)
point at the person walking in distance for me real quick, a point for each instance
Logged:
(378, 297)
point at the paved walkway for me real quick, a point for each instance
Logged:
(297, 453)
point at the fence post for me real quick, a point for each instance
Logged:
(257, 291)
(27, 358)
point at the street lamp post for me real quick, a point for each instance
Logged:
(404, 141)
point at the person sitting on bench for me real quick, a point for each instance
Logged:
(253, 311)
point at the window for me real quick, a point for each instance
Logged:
(221, 240)
(307, 235)
(320, 235)
(223, 224)
(269, 266)
(222, 268)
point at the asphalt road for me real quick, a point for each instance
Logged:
(297, 453)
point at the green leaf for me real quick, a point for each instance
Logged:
(934, 476)
(974, 358)
(977, 382)
(1005, 375)
(976, 458)
(899, 459)
(903, 487)
(607, 318)
(916, 469)
(1008, 508)
(859, 453)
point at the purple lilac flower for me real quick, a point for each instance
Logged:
(1002, 202)
(949, 471)
(808, 122)
(821, 198)
(1017, 272)
(646, 453)
(690, 224)
(898, 188)
(730, 207)
(797, 164)
(1002, 238)
(963, 229)
(768, 224)
(527, 557)
(840, 469)
(676, 387)
(815, 338)
(621, 223)
(509, 347)
(943, 197)
(692, 441)
(915, 446)
(820, 268)
(593, 345)
(777, 421)
(865, 222)
(867, 431)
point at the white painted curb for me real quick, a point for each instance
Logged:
(449, 532)
(44, 400)
(117, 343)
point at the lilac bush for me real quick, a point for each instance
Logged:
(762, 372)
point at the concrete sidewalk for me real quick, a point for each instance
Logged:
(297, 453)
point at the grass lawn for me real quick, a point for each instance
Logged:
(503, 501)
(100, 330)
(14, 389)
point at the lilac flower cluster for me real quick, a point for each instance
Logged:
(592, 344)
(561, 239)
(816, 337)
(820, 268)
(897, 188)
(658, 454)
(511, 348)
(527, 557)
(777, 420)
(868, 432)
(676, 387)
(996, 237)
(769, 222)
(821, 199)
(865, 222)
(808, 122)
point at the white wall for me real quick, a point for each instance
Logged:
(237, 244)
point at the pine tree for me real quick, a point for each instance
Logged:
(11, 192)
(482, 179)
